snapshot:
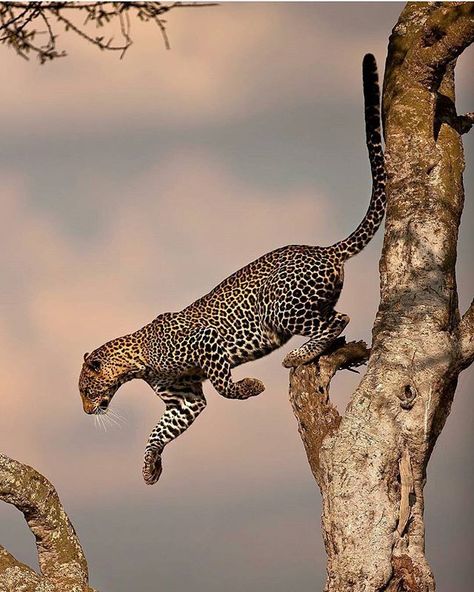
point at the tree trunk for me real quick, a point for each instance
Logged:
(61, 559)
(370, 464)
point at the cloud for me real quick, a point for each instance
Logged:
(226, 63)
(157, 248)
(173, 233)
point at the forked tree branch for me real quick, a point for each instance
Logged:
(309, 396)
(61, 559)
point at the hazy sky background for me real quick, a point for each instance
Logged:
(129, 188)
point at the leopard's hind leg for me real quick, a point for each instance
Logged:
(322, 332)
(299, 299)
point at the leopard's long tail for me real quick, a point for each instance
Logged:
(361, 236)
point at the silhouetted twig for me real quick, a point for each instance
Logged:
(31, 28)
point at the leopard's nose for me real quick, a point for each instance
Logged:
(89, 408)
(87, 405)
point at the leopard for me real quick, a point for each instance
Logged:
(289, 291)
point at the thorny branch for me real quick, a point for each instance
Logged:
(32, 28)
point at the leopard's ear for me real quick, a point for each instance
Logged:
(93, 364)
(85, 356)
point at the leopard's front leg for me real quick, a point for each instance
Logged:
(182, 408)
(211, 357)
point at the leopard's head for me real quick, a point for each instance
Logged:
(105, 370)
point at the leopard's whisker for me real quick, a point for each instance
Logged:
(101, 421)
(111, 419)
(114, 415)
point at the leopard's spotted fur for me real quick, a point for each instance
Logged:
(290, 291)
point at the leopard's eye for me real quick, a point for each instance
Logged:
(93, 364)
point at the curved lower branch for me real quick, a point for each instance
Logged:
(15, 575)
(61, 559)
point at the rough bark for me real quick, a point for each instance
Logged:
(370, 464)
(62, 563)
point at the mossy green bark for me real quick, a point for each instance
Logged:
(371, 466)
(62, 563)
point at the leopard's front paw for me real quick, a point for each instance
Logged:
(152, 466)
(249, 387)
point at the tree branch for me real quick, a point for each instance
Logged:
(18, 576)
(466, 337)
(465, 122)
(23, 22)
(60, 554)
(309, 396)
(446, 33)
(370, 464)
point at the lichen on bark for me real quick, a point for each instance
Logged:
(371, 464)
(63, 566)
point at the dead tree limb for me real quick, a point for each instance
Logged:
(62, 563)
(370, 464)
